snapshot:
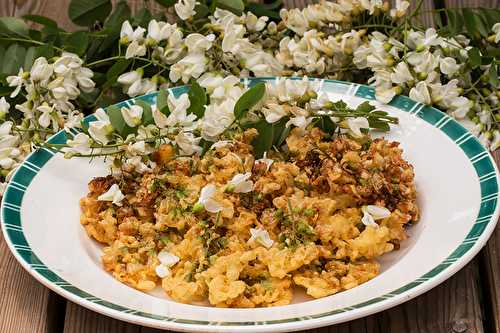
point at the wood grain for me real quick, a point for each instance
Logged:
(472, 3)
(26, 306)
(491, 267)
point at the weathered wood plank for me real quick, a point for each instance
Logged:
(472, 3)
(491, 265)
(25, 305)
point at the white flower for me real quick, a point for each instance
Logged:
(16, 81)
(178, 111)
(207, 201)
(240, 183)
(255, 24)
(128, 34)
(46, 117)
(371, 5)
(261, 236)
(132, 115)
(113, 194)
(221, 88)
(273, 112)
(192, 65)
(41, 70)
(420, 93)
(267, 161)
(300, 122)
(80, 144)
(221, 144)
(356, 124)
(448, 66)
(217, 118)
(185, 9)
(295, 20)
(138, 164)
(130, 77)
(400, 9)
(401, 74)
(199, 43)
(372, 213)
(100, 129)
(167, 260)
(496, 30)
(4, 107)
(421, 41)
(158, 31)
(135, 49)
(188, 143)
(160, 119)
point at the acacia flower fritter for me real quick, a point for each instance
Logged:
(371, 213)
(261, 236)
(167, 260)
(207, 201)
(113, 194)
(240, 183)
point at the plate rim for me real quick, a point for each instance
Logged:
(476, 238)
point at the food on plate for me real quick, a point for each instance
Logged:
(236, 230)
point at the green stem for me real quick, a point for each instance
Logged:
(23, 40)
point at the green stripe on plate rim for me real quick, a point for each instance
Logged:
(477, 154)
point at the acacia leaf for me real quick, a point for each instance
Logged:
(248, 100)
(197, 99)
(87, 12)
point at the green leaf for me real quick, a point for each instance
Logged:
(166, 3)
(42, 20)
(119, 15)
(264, 141)
(491, 16)
(326, 125)
(493, 74)
(77, 42)
(455, 21)
(147, 112)
(29, 58)
(87, 12)
(118, 68)
(261, 10)
(143, 17)
(280, 131)
(474, 57)
(365, 107)
(13, 26)
(248, 100)
(235, 6)
(117, 121)
(14, 59)
(473, 23)
(380, 125)
(197, 99)
(162, 102)
(201, 10)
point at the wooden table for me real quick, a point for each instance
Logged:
(467, 302)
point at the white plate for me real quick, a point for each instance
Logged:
(457, 183)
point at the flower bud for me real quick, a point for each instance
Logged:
(198, 207)
(124, 40)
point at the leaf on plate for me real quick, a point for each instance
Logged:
(248, 100)
(493, 75)
(197, 99)
(235, 6)
(162, 102)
